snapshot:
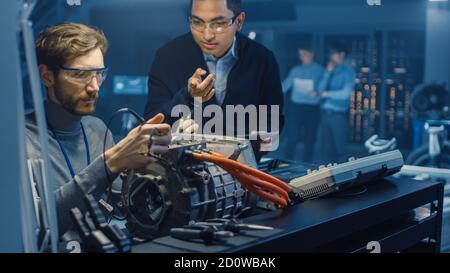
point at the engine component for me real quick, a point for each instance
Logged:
(180, 189)
(334, 177)
(262, 184)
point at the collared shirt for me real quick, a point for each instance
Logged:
(339, 84)
(312, 72)
(220, 68)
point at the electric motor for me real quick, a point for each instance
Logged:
(179, 189)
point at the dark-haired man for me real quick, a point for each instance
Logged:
(215, 64)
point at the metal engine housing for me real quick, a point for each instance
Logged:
(181, 190)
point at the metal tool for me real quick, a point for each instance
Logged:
(203, 232)
(232, 225)
(114, 233)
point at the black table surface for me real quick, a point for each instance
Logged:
(316, 222)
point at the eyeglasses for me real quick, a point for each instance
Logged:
(217, 27)
(85, 75)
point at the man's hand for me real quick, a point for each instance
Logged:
(186, 126)
(324, 94)
(130, 152)
(199, 88)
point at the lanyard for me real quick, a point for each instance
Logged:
(66, 157)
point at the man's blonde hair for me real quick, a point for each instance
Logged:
(62, 43)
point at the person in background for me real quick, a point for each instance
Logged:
(335, 89)
(304, 113)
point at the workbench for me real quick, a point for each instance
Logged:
(389, 215)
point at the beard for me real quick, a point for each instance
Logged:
(74, 104)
